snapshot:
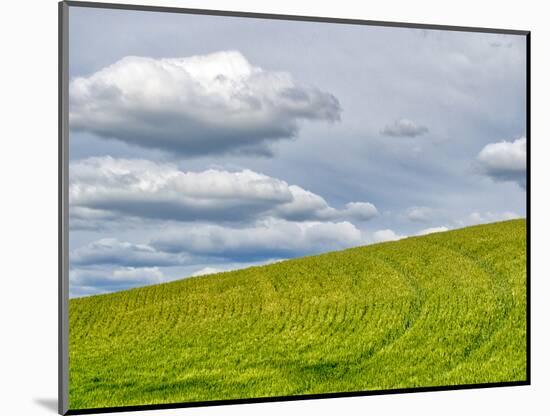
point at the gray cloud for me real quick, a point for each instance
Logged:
(505, 161)
(497, 44)
(358, 211)
(102, 186)
(306, 205)
(270, 239)
(419, 214)
(97, 280)
(404, 128)
(485, 217)
(197, 105)
(207, 270)
(153, 190)
(110, 251)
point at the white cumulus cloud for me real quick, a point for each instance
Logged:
(505, 161)
(101, 186)
(153, 190)
(386, 235)
(208, 104)
(432, 230)
(270, 239)
(306, 205)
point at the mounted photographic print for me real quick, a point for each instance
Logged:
(263, 207)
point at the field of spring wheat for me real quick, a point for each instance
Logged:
(443, 309)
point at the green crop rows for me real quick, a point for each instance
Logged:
(443, 309)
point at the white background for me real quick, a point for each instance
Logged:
(28, 195)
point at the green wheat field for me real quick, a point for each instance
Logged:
(442, 309)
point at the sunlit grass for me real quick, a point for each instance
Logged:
(443, 309)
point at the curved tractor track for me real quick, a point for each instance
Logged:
(443, 309)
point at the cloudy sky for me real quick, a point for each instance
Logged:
(201, 144)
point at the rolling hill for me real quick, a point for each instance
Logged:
(442, 309)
